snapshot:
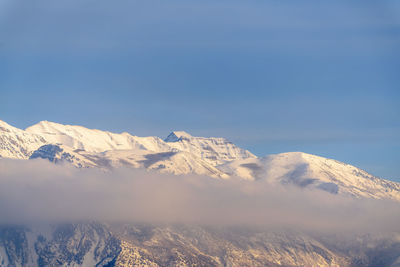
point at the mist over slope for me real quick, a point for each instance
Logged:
(56, 214)
(38, 190)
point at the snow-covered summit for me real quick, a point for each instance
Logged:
(311, 171)
(7, 128)
(213, 150)
(93, 140)
(4, 126)
(88, 147)
(17, 143)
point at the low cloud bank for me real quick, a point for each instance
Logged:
(36, 190)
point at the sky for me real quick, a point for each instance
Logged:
(271, 76)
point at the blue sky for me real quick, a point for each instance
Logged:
(272, 76)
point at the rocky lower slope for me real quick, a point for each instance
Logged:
(93, 244)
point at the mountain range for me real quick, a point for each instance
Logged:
(145, 244)
(181, 153)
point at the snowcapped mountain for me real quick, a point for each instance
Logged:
(306, 170)
(212, 150)
(92, 140)
(182, 153)
(97, 244)
(16, 143)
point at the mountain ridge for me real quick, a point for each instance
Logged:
(181, 153)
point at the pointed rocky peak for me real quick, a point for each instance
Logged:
(176, 136)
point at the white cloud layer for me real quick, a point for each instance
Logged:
(36, 190)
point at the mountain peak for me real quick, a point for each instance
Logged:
(7, 128)
(48, 124)
(44, 126)
(177, 135)
(4, 126)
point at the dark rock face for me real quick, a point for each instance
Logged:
(53, 153)
(56, 154)
(154, 158)
(61, 245)
(14, 241)
(47, 152)
(329, 187)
